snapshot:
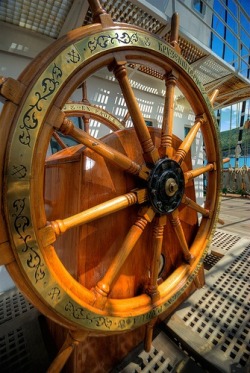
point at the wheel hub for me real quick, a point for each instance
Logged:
(166, 186)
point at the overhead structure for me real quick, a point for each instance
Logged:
(52, 20)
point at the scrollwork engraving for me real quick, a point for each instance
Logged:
(21, 223)
(30, 118)
(80, 314)
(102, 41)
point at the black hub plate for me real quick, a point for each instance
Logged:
(166, 186)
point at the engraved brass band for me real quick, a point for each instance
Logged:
(78, 108)
(19, 175)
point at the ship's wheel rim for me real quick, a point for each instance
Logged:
(24, 233)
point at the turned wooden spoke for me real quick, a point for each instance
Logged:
(59, 140)
(99, 211)
(104, 150)
(150, 152)
(157, 247)
(187, 142)
(168, 115)
(12, 89)
(207, 213)
(103, 287)
(96, 9)
(126, 118)
(189, 202)
(214, 96)
(63, 355)
(85, 118)
(85, 93)
(85, 123)
(72, 341)
(176, 223)
(191, 174)
(174, 34)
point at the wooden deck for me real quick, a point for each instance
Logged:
(235, 211)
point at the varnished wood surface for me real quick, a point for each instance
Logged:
(87, 251)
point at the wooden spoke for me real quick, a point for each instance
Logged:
(99, 211)
(103, 287)
(85, 118)
(191, 174)
(59, 140)
(63, 355)
(225, 160)
(176, 223)
(149, 334)
(174, 35)
(220, 221)
(126, 118)
(104, 150)
(6, 254)
(11, 89)
(168, 115)
(150, 152)
(86, 123)
(72, 340)
(152, 289)
(189, 202)
(187, 142)
(96, 10)
(214, 96)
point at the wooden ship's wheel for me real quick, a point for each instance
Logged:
(105, 236)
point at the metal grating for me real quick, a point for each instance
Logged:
(164, 357)
(45, 17)
(221, 315)
(12, 305)
(224, 240)
(189, 51)
(22, 347)
(210, 70)
(13, 351)
(126, 11)
(210, 261)
(154, 361)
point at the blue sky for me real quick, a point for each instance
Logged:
(230, 116)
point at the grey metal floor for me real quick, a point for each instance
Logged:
(215, 321)
(210, 332)
(22, 346)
